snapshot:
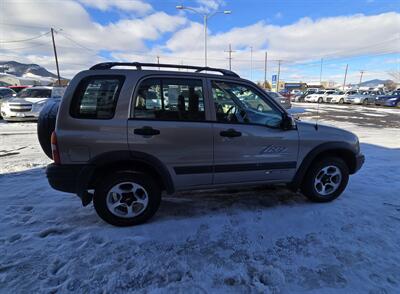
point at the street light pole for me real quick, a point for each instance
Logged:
(206, 17)
(251, 62)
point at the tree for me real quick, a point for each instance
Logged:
(265, 85)
(395, 74)
(390, 85)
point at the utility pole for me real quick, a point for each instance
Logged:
(320, 72)
(230, 51)
(279, 73)
(361, 76)
(265, 69)
(251, 63)
(158, 61)
(345, 76)
(55, 56)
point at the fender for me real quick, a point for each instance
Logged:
(338, 147)
(111, 158)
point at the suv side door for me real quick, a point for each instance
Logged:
(249, 144)
(170, 120)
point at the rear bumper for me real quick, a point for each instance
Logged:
(63, 177)
(360, 159)
(70, 178)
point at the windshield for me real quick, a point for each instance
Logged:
(274, 95)
(34, 93)
(320, 92)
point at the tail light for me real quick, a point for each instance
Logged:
(54, 149)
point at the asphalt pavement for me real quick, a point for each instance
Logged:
(368, 116)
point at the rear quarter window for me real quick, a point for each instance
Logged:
(96, 97)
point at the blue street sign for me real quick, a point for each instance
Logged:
(274, 78)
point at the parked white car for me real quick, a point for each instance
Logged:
(340, 97)
(319, 96)
(26, 105)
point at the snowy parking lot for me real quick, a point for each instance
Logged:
(264, 240)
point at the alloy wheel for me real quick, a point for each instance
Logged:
(328, 180)
(127, 199)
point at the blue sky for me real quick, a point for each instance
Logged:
(362, 33)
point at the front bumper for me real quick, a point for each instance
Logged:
(360, 159)
(390, 104)
(310, 99)
(19, 116)
(71, 178)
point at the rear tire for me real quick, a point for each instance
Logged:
(325, 180)
(45, 126)
(126, 198)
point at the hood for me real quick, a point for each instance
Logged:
(18, 100)
(325, 133)
(356, 96)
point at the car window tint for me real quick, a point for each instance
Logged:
(236, 103)
(96, 97)
(170, 99)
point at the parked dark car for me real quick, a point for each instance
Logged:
(392, 99)
(17, 88)
(300, 98)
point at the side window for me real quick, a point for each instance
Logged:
(96, 97)
(235, 103)
(170, 99)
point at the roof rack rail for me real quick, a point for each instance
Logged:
(139, 65)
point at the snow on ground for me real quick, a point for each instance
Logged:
(266, 240)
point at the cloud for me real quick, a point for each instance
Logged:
(303, 41)
(176, 39)
(80, 40)
(209, 5)
(138, 6)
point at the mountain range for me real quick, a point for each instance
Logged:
(22, 69)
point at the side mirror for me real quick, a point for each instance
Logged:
(288, 123)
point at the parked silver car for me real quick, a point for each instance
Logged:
(26, 105)
(124, 149)
(29, 102)
(284, 101)
(5, 94)
(365, 97)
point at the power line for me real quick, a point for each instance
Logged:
(25, 40)
(75, 42)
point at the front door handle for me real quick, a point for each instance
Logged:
(230, 133)
(146, 131)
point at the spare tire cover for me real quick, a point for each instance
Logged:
(46, 125)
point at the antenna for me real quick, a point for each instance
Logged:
(316, 121)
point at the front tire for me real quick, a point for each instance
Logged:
(127, 198)
(325, 180)
(320, 100)
(341, 101)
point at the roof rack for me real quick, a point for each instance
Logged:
(139, 65)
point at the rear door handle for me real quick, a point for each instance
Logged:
(230, 133)
(146, 131)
